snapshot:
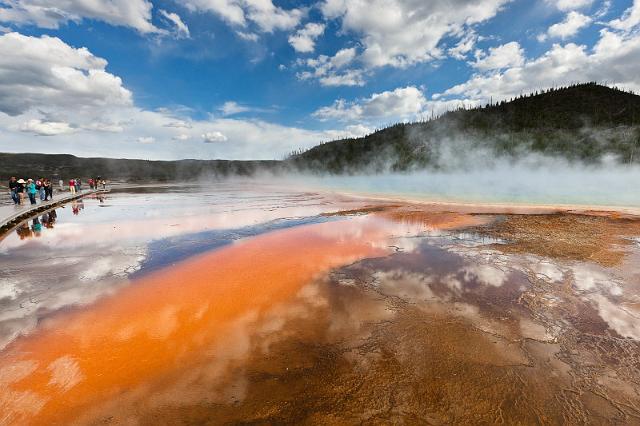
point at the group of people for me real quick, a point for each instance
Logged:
(20, 189)
(95, 183)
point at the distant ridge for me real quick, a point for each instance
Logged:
(583, 122)
(66, 166)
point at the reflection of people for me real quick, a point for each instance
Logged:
(36, 226)
(49, 219)
(76, 207)
(24, 231)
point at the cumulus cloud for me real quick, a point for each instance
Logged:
(405, 32)
(630, 18)
(615, 59)
(146, 139)
(574, 22)
(213, 137)
(401, 103)
(464, 46)
(46, 73)
(304, 41)
(46, 128)
(233, 108)
(52, 13)
(505, 56)
(566, 5)
(333, 70)
(262, 14)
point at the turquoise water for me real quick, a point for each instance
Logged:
(563, 185)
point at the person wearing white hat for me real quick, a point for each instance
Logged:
(20, 190)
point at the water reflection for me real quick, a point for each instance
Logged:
(83, 252)
(169, 319)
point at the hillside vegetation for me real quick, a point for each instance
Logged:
(67, 166)
(585, 122)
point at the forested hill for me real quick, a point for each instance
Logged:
(584, 122)
(68, 166)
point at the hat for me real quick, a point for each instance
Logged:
(21, 181)
(29, 180)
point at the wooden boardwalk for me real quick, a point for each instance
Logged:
(11, 215)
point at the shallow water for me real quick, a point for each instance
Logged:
(258, 304)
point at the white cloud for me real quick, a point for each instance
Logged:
(566, 5)
(181, 29)
(505, 56)
(233, 108)
(146, 139)
(248, 36)
(181, 137)
(404, 32)
(400, 104)
(46, 128)
(213, 137)
(573, 23)
(46, 73)
(614, 59)
(464, 46)
(330, 70)
(630, 19)
(304, 41)
(51, 13)
(262, 13)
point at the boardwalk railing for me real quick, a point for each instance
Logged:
(9, 218)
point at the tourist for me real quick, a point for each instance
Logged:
(90, 183)
(72, 186)
(20, 191)
(78, 185)
(31, 191)
(40, 187)
(61, 185)
(13, 190)
(48, 190)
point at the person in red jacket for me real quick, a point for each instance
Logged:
(72, 186)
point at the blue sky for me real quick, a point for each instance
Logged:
(166, 79)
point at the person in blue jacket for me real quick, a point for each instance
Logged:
(31, 191)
